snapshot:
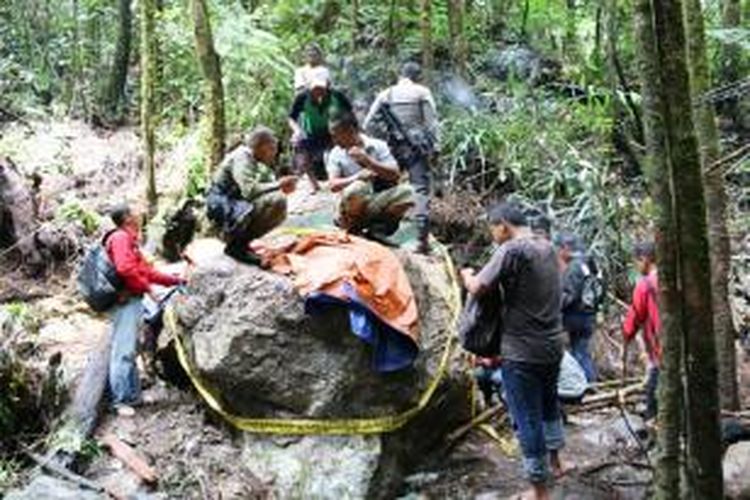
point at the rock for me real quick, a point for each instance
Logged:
(736, 467)
(613, 432)
(50, 488)
(251, 342)
(521, 62)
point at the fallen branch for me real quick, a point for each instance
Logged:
(479, 419)
(614, 383)
(614, 395)
(63, 472)
(131, 458)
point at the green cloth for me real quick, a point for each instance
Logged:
(250, 176)
(313, 118)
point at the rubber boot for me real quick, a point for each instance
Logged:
(240, 253)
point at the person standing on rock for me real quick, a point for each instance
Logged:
(364, 171)
(525, 267)
(313, 69)
(137, 276)
(408, 112)
(643, 314)
(308, 119)
(579, 314)
(246, 199)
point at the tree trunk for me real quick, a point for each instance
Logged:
(716, 204)
(658, 173)
(355, 24)
(148, 98)
(570, 42)
(456, 10)
(730, 57)
(704, 438)
(115, 94)
(426, 25)
(211, 69)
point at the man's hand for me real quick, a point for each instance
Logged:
(467, 274)
(358, 154)
(366, 175)
(288, 183)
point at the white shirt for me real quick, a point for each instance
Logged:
(306, 74)
(340, 164)
(412, 104)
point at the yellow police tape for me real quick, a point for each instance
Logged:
(335, 426)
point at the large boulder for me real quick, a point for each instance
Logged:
(736, 468)
(249, 340)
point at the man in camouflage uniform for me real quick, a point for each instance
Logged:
(414, 144)
(363, 170)
(246, 199)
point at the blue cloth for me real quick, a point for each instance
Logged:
(531, 396)
(490, 381)
(580, 328)
(124, 383)
(392, 350)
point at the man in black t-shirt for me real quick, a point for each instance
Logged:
(525, 266)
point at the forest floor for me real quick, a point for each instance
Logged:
(194, 453)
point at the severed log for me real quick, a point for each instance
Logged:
(131, 458)
(82, 415)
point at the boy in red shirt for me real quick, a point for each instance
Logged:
(137, 276)
(644, 314)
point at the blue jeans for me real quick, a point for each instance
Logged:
(580, 328)
(531, 396)
(124, 383)
(652, 384)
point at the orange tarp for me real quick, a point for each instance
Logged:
(325, 261)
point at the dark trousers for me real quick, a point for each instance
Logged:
(531, 396)
(652, 384)
(580, 328)
(420, 177)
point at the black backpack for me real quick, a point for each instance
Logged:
(593, 289)
(480, 324)
(97, 278)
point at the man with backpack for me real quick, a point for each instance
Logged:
(581, 296)
(408, 111)
(525, 267)
(137, 277)
(643, 314)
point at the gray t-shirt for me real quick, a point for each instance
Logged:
(528, 273)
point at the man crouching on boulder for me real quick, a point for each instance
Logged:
(137, 276)
(525, 266)
(244, 202)
(367, 175)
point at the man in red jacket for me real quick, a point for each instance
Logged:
(137, 276)
(644, 314)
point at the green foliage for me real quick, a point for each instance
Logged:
(553, 155)
(197, 177)
(9, 472)
(73, 211)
